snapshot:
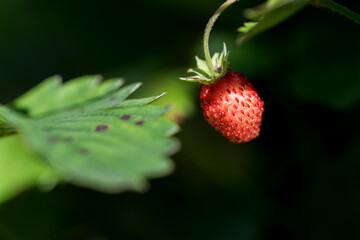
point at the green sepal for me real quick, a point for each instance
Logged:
(202, 72)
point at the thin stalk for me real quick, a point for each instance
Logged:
(208, 28)
(353, 16)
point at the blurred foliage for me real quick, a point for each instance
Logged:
(298, 180)
(72, 94)
(268, 15)
(20, 168)
(90, 134)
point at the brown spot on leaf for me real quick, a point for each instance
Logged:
(139, 123)
(51, 139)
(83, 151)
(101, 128)
(125, 117)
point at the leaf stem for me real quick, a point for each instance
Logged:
(353, 16)
(208, 28)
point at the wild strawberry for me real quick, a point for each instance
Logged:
(232, 106)
(228, 100)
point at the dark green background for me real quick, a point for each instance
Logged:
(298, 180)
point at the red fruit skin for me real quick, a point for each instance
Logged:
(233, 107)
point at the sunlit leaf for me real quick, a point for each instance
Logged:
(51, 95)
(109, 144)
(20, 168)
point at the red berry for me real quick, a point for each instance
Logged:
(233, 107)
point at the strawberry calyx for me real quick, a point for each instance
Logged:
(212, 68)
(206, 74)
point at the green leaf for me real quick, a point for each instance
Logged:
(268, 15)
(109, 144)
(51, 96)
(247, 27)
(21, 169)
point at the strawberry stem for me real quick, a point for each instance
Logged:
(208, 28)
